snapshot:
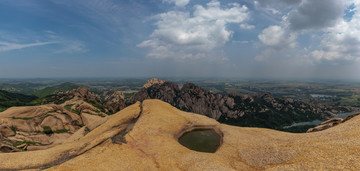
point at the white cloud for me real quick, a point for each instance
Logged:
(180, 3)
(342, 41)
(277, 37)
(247, 26)
(6, 46)
(180, 34)
(339, 39)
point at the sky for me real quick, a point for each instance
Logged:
(272, 39)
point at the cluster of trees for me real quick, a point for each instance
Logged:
(8, 99)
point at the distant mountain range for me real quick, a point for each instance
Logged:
(256, 110)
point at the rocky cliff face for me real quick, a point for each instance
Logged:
(260, 110)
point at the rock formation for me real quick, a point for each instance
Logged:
(144, 137)
(152, 82)
(44, 126)
(114, 100)
(111, 101)
(259, 110)
(331, 123)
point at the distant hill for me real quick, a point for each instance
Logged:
(23, 88)
(8, 99)
(55, 89)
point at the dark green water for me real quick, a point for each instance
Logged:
(203, 140)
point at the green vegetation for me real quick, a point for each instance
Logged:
(47, 130)
(24, 118)
(68, 107)
(2, 109)
(61, 131)
(100, 107)
(23, 142)
(8, 99)
(13, 129)
(50, 98)
(353, 100)
(55, 89)
(23, 88)
(101, 115)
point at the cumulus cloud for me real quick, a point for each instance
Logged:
(180, 3)
(277, 37)
(180, 34)
(316, 14)
(342, 41)
(339, 38)
(247, 26)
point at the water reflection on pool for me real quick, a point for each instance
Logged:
(203, 140)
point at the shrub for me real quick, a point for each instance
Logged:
(61, 131)
(47, 130)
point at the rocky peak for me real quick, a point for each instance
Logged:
(80, 92)
(152, 82)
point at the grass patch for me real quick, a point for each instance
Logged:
(101, 115)
(2, 109)
(101, 108)
(24, 118)
(68, 107)
(23, 142)
(61, 131)
(47, 130)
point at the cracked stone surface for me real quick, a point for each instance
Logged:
(150, 143)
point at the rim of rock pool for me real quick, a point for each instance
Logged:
(199, 128)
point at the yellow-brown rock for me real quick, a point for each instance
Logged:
(150, 143)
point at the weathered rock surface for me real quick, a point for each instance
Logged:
(26, 125)
(151, 144)
(259, 110)
(331, 123)
(152, 82)
(114, 100)
(6, 131)
(111, 102)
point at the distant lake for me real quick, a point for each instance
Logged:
(317, 122)
(320, 95)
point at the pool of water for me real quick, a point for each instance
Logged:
(203, 140)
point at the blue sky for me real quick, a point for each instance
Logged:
(180, 38)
